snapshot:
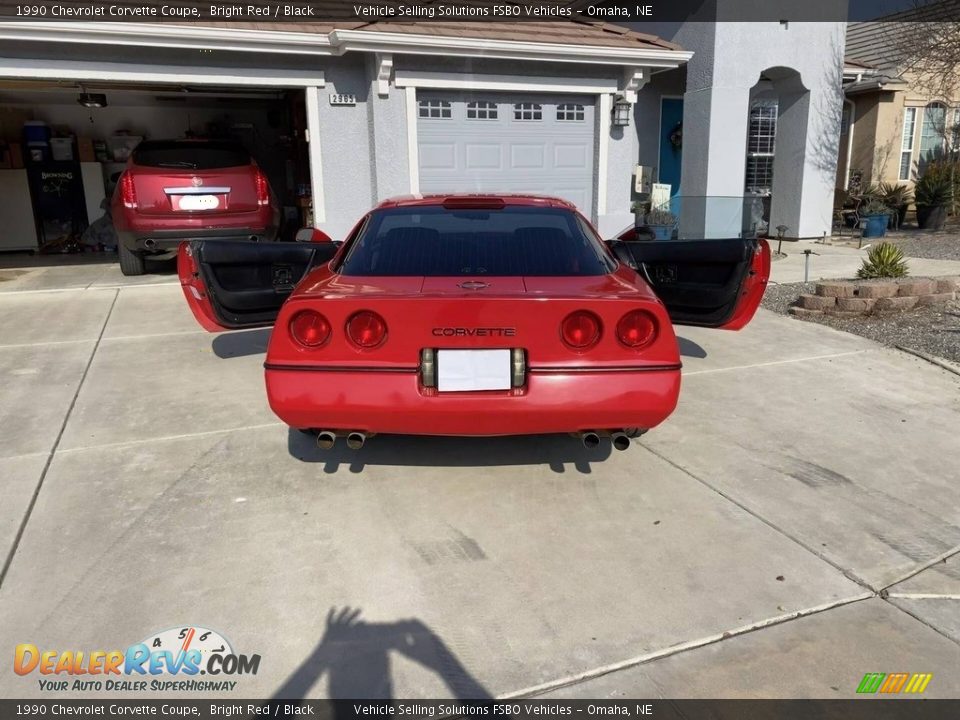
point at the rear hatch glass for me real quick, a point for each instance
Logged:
(435, 241)
(190, 155)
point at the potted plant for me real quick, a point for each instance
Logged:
(661, 222)
(897, 197)
(874, 216)
(934, 192)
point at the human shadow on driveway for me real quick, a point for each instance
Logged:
(241, 344)
(688, 348)
(355, 657)
(411, 450)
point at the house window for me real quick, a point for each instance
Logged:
(906, 143)
(481, 111)
(435, 109)
(570, 112)
(761, 143)
(933, 134)
(527, 111)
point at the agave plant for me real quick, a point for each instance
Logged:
(874, 207)
(895, 195)
(935, 187)
(883, 261)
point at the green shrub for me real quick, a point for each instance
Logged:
(935, 187)
(883, 261)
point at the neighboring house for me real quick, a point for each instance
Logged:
(895, 124)
(565, 108)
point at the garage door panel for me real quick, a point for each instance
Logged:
(438, 156)
(485, 148)
(483, 156)
(571, 157)
(523, 157)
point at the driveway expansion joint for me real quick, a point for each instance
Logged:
(56, 443)
(588, 675)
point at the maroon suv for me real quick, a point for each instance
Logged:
(175, 190)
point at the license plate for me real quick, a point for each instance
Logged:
(465, 370)
(197, 202)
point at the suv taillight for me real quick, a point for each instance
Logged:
(128, 193)
(263, 189)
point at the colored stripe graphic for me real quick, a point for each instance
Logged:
(894, 682)
(871, 682)
(918, 682)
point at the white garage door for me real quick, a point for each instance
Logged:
(507, 143)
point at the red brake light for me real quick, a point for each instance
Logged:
(580, 330)
(366, 329)
(474, 202)
(263, 189)
(637, 329)
(128, 193)
(310, 328)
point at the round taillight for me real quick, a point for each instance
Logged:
(310, 328)
(366, 329)
(637, 329)
(580, 330)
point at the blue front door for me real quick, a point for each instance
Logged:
(671, 117)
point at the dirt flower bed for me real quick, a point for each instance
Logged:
(934, 330)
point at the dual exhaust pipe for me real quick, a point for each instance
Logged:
(591, 439)
(326, 439)
(620, 440)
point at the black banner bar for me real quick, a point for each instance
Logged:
(319, 11)
(874, 708)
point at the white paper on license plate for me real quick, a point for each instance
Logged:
(464, 370)
(199, 202)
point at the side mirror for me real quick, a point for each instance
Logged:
(312, 235)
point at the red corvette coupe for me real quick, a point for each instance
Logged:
(474, 315)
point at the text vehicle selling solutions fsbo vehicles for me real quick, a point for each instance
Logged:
(474, 315)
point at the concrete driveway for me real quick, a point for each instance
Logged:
(793, 526)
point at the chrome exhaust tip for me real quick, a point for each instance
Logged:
(326, 439)
(355, 440)
(620, 440)
(590, 440)
(150, 243)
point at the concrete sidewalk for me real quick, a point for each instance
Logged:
(744, 548)
(837, 261)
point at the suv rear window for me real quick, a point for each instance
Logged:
(190, 155)
(437, 241)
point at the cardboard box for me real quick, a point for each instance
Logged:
(16, 155)
(11, 123)
(85, 149)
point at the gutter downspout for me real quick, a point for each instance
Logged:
(852, 118)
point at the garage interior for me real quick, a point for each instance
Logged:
(63, 145)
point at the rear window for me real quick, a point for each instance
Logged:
(515, 240)
(190, 155)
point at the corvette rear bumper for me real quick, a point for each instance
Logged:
(394, 402)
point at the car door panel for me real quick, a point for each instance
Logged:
(232, 285)
(711, 283)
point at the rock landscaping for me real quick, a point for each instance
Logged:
(849, 298)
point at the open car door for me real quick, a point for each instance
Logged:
(711, 283)
(240, 284)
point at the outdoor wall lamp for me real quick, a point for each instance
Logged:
(621, 112)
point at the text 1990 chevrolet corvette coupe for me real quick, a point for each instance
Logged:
(474, 315)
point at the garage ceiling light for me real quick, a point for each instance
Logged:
(92, 100)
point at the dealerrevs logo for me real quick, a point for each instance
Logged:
(170, 660)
